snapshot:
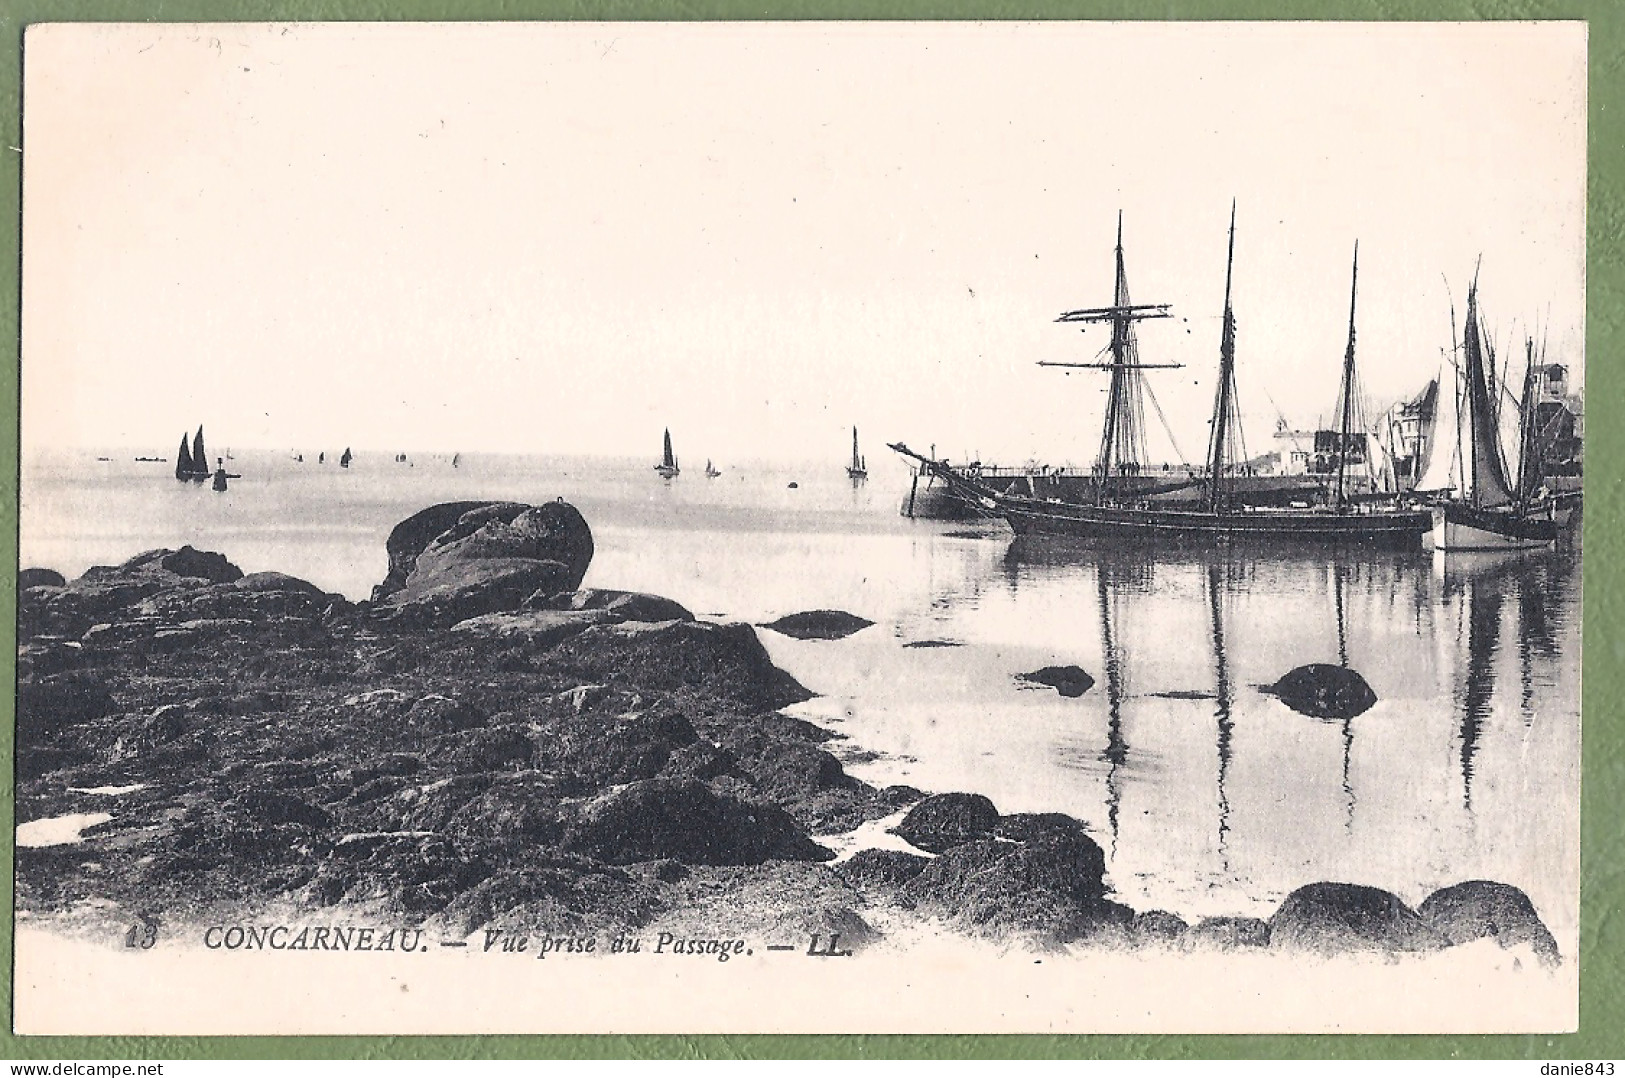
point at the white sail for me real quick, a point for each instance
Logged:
(1443, 471)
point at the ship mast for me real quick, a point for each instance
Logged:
(1530, 447)
(1123, 434)
(1224, 399)
(1348, 394)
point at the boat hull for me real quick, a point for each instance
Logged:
(1461, 527)
(1377, 530)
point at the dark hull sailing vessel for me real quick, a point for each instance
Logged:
(192, 464)
(1481, 509)
(668, 460)
(857, 469)
(1123, 508)
(710, 472)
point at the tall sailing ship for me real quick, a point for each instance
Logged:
(1123, 506)
(1480, 507)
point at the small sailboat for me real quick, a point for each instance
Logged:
(1480, 509)
(710, 472)
(857, 469)
(321, 458)
(456, 460)
(668, 460)
(344, 461)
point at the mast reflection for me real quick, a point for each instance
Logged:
(1222, 702)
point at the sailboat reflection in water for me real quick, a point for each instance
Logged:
(1214, 797)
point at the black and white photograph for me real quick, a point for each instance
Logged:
(800, 528)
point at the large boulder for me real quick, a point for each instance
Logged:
(943, 821)
(683, 820)
(490, 558)
(1323, 691)
(1337, 918)
(1483, 909)
(411, 536)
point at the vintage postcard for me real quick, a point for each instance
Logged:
(800, 527)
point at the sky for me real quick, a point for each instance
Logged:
(564, 238)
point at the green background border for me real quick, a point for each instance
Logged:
(1602, 1018)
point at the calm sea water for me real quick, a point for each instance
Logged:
(1209, 796)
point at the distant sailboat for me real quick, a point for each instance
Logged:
(710, 472)
(456, 460)
(668, 460)
(192, 464)
(344, 461)
(857, 469)
(321, 458)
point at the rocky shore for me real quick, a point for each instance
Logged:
(485, 745)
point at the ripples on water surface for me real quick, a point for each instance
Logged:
(1209, 797)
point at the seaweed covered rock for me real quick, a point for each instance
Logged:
(1336, 918)
(819, 624)
(53, 704)
(598, 750)
(881, 870)
(724, 662)
(539, 629)
(617, 605)
(1483, 909)
(1227, 934)
(943, 821)
(107, 593)
(1323, 691)
(683, 820)
(1050, 888)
